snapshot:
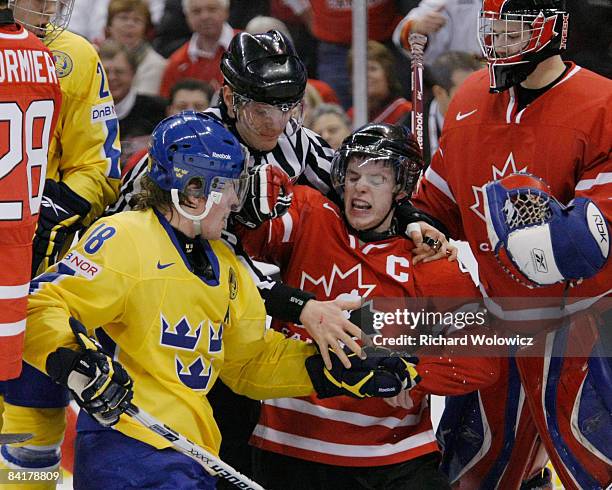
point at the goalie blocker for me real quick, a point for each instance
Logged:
(539, 239)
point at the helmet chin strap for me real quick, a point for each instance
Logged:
(213, 198)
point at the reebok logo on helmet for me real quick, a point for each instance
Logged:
(225, 156)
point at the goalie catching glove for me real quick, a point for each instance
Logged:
(61, 213)
(381, 374)
(100, 385)
(536, 239)
(269, 195)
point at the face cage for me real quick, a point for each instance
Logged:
(221, 187)
(405, 171)
(284, 117)
(47, 22)
(507, 38)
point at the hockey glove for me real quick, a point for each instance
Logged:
(269, 195)
(406, 213)
(536, 239)
(99, 385)
(381, 374)
(61, 212)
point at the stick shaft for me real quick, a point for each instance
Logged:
(210, 462)
(417, 47)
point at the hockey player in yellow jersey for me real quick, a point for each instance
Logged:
(83, 174)
(82, 179)
(177, 309)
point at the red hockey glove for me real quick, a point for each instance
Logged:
(269, 195)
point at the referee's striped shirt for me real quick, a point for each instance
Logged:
(306, 159)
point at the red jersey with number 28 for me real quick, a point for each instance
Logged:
(30, 100)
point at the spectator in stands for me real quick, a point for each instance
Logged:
(312, 99)
(385, 103)
(200, 57)
(186, 95)
(446, 74)
(448, 24)
(332, 123)
(586, 18)
(171, 30)
(297, 16)
(127, 23)
(261, 24)
(331, 25)
(138, 114)
(189, 95)
(88, 19)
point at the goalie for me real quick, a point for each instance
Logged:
(531, 112)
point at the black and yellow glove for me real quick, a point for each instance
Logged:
(381, 374)
(61, 213)
(100, 386)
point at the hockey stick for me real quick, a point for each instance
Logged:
(14, 438)
(210, 462)
(417, 46)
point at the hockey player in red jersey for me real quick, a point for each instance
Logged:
(530, 112)
(30, 101)
(354, 247)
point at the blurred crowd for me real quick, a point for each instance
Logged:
(162, 56)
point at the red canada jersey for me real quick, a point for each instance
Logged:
(564, 137)
(30, 101)
(316, 252)
(332, 20)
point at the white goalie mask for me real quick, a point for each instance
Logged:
(47, 19)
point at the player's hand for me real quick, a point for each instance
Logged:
(380, 374)
(100, 385)
(269, 195)
(429, 23)
(429, 243)
(61, 212)
(327, 324)
(403, 400)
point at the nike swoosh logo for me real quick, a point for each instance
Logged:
(161, 266)
(327, 206)
(463, 116)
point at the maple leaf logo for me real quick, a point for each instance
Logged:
(349, 281)
(509, 168)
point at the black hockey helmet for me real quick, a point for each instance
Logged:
(380, 141)
(517, 35)
(265, 68)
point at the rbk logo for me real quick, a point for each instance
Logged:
(179, 335)
(195, 376)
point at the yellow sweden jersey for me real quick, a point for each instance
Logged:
(85, 150)
(172, 331)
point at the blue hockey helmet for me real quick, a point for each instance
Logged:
(191, 147)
